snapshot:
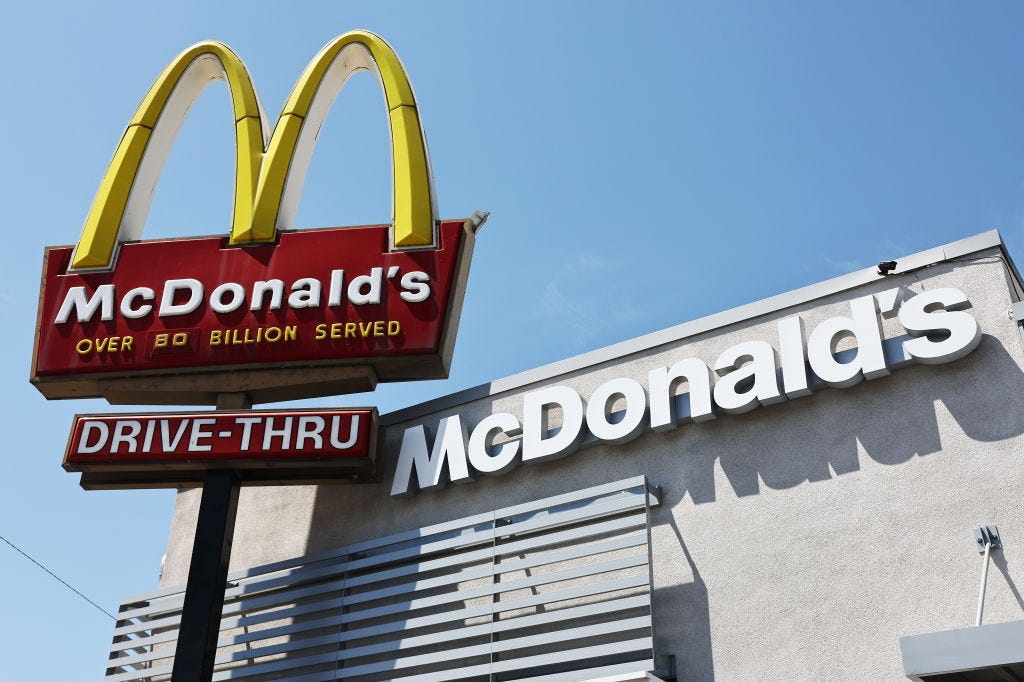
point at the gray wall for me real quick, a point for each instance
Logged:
(796, 541)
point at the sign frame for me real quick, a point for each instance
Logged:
(181, 472)
(265, 382)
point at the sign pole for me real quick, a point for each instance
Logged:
(196, 650)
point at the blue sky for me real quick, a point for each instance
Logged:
(645, 164)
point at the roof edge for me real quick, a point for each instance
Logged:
(765, 306)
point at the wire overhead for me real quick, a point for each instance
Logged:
(58, 578)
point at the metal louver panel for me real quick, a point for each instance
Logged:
(557, 589)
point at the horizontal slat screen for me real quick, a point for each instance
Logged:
(557, 589)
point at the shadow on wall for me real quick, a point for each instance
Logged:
(1000, 561)
(816, 438)
(683, 610)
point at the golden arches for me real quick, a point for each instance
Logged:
(292, 141)
(268, 176)
(122, 202)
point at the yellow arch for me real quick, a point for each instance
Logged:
(291, 144)
(119, 210)
(268, 177)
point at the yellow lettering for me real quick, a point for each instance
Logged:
(101, 345)
(321, 332)
(273, 334)
(336, 330)
(179, 339)
(126, 343)
(394, 327)
(161, 340)
(247, 338)
(350, 329)
(84, 346)
(291, 332)
(378, 328)
(112, 345)
(215, 337)
(364, 330)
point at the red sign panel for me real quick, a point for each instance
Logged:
(262, 446)
(317, 297)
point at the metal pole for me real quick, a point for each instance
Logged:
(196, 650)
(207, 574)
(984, 582)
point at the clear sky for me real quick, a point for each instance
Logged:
(645, 164)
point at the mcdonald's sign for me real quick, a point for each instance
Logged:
(267, 310)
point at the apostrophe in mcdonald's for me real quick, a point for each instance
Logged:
(303, 282)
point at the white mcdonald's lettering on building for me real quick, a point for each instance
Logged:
(747, 375)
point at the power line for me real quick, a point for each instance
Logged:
(58, 578)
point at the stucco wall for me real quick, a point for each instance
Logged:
(797, 541)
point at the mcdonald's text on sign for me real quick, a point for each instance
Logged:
(266, 310)
(317, 297)
(171, 449)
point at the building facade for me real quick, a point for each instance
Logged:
(800, 527)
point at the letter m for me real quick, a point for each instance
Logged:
(102, 299)
(449, 446)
